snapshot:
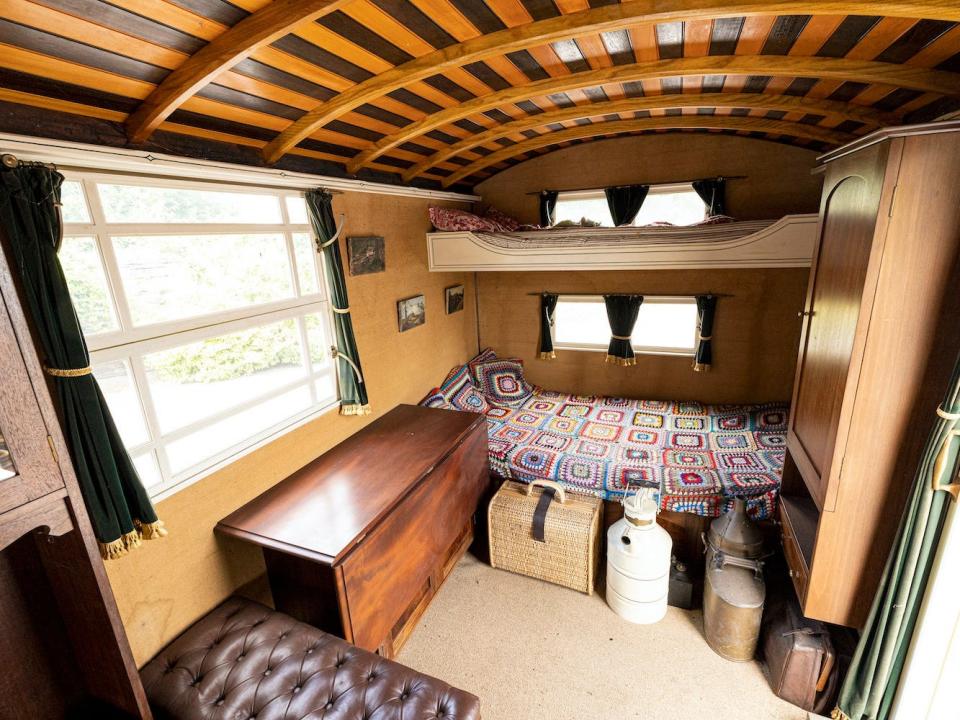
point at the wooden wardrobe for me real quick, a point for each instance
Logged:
(881, 331)
(63, 651)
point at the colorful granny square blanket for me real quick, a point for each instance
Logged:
(699, 456)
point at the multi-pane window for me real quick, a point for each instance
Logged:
(665, 325)
(677, 204)
(205, 314)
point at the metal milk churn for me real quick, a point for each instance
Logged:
(638, 562)
(733, 589)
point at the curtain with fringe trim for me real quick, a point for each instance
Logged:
(118, 505)
(703, 355)
(871, 682)
(548, 207)
(548, 308)
(353, 391)
(622, 311)
(714, 195)
(624, 202)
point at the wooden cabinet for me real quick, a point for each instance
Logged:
(64, 652)
(358, 542)
(880, 334)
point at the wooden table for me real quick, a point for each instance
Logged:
(358, 542)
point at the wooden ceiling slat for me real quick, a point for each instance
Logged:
(754, 34)
(815, 33)
(447, 16)
(755, 103)
(511, 12)
(696, 38)
(338, 45)
(644, 41)
(46, 66)
(880, 37)
(601, 129)
(941, 49)
(173, 16)
(58, 105)
(594, 51)
(389, 28)
(297, 66)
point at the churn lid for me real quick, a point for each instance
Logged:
(735, 533)
(640, 509)
(737, 586)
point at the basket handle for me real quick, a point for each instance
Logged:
(561, 495)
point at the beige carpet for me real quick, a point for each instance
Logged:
(535, 651)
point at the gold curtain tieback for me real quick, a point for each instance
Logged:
(68, 373)
(705, 337)
(621, 337)
(340, 311)
(947, 415)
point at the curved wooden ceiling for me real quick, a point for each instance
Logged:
(447, 92)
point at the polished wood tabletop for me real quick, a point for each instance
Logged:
(325, 508)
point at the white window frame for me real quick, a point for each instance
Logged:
(131, 343)
(663, 189)
(637, 349)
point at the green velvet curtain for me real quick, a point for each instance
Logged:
(548, 207)
(625, 202)
(713, 194)
(622, 311)
(119, 507)
(548, 306)
(871, 682)
(353, 392)
(703, 355)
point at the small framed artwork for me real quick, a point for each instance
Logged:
(366, 255)
(454, 298)
(411, 312)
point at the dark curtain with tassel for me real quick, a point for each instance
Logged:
(622, 311)
(625, 202)
(871, 682)
(118, 505)
(703, 355)
(548, 207)
(353, 392)
(713, 194)
(548, 306)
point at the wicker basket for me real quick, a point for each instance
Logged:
(571, 550)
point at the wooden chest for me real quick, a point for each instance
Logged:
(358, 542)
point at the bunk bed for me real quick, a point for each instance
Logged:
(787, 242)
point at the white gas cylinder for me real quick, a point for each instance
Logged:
(638, 562)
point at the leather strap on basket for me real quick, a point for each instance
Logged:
(540, 514)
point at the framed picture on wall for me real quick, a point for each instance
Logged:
(411, 312)
(366, 255)
(454, 299)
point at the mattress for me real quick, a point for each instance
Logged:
(699, 457)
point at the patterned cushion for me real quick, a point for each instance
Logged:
(469, 399)
(502, 381)
(434, 398)
(502, 219)
(482, 356)
(451, 220)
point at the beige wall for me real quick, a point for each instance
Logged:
(169, 583)
(755, 337)
(778, 180)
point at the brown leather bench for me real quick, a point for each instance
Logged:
(244, 661)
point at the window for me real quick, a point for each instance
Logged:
(204, 312)
(677, 204)
(665, 326)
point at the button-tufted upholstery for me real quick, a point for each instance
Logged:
(245, 661)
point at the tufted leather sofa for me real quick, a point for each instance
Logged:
(244, 661)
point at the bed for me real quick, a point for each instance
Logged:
(698, 457)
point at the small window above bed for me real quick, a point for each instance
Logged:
(665, 325)
(676, 204)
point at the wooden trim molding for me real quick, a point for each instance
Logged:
(789, 242)
(712, 122)
(275, 20)
(565, 27)
(838, 111)
(936, 81)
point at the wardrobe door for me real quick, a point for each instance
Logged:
(27, 468)
(848, 218)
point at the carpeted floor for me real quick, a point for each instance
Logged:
(535, 651)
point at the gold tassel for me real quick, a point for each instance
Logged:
(548, 355)
(625, 362)
(113, 550)
(355, 410)
(151, 531)
(839, 714)
(700, 367)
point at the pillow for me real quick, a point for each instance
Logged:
(502, 381)
(502, 219)
(482, 356)
(469, 399)
(451, 220)
(716, 220)
(434, 399)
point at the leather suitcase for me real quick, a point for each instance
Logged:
(799, 655)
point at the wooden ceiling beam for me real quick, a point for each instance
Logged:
(565, 27)
(842, 69)
(839, 111)
(713, 122)
(263, 27)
